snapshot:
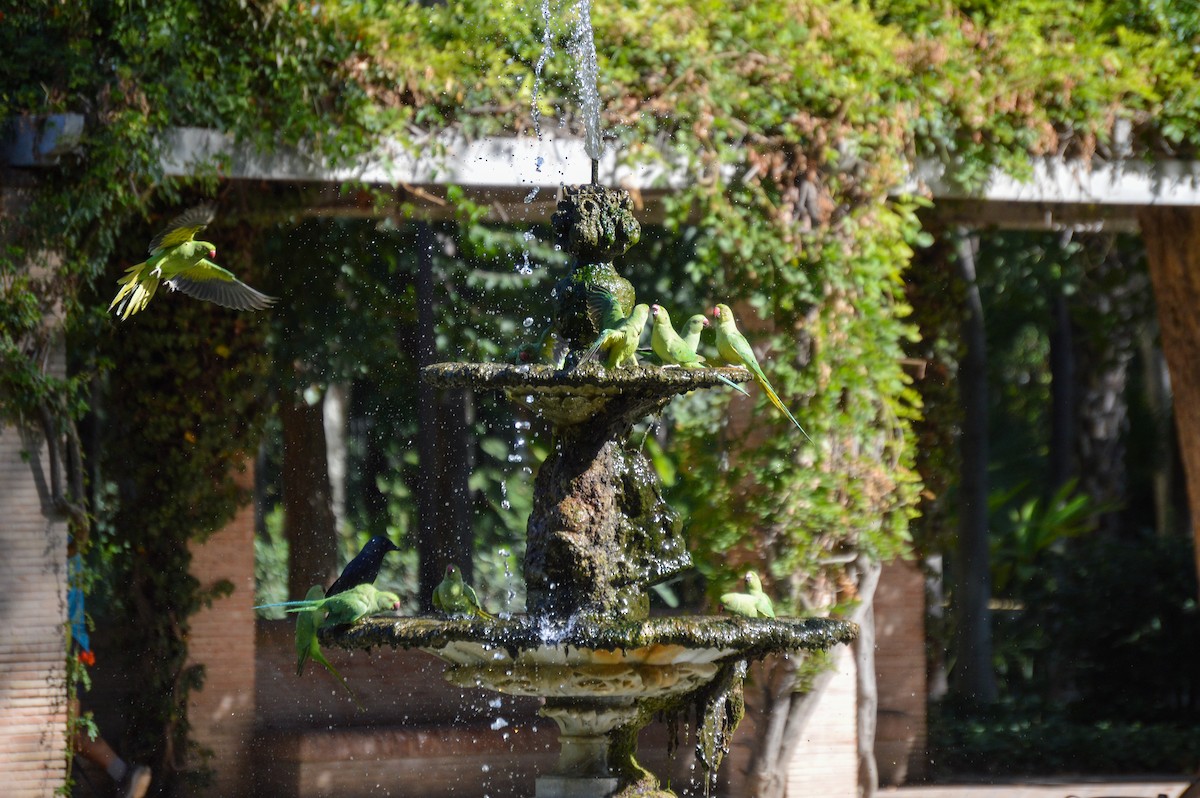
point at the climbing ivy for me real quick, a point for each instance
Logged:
(794, 122)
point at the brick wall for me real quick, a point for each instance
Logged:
(32, 615)
(900, 672)
(222, 637)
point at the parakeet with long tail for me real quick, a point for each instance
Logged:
(347, 607)
(733, 348)
(619, 334)
(183, 263)
(754, 603)
(307, 645)
(455, 597)
(675, 351)
(364, 568)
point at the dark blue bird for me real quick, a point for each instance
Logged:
(364, 567)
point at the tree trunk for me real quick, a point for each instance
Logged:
(1158, 399)
(973, 676)
(443, 524)
(1107, 311)
(1062, 395)
(1172, 238)
(307, 506)
(335, 411)
(868, 690)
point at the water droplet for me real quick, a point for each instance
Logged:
(528, 322)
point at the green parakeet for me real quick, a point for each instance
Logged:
(754, 603)
(182, 262)
(455, 597)
(733, 348)
(675, 351)
(347, 607)
(307, 645)
(619, 335)
(692, 329)
(544, 351)
(666, 343)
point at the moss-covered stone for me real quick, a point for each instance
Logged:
(744, 638)
(595, 224)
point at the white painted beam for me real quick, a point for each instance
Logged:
(1056, 190)
(1059, 182)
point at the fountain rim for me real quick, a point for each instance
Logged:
(734, 637)
(588, 378)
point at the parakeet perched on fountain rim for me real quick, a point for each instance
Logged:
(675, 351)
(754, 603)
(692, 328)
(346, 607)
(455, 597)
(733, 348)
(619, 334)
(182, 262)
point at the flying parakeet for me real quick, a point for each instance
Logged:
(692, 329)
(364, 568)
(675, 351)
(307, 645)
(346, 607)
(182, 262)
(733, 348)
(455, 597)
(619, 335)
(754, 603)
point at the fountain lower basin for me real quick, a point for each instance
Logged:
(602, 681)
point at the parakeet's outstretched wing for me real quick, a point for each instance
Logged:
(603, 309)
(212, 283)
(184, 227)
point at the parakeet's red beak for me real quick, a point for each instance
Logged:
(717, 312)
(706, 321)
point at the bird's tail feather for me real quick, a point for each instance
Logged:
(783, 409)
(301, 603)
(733, 385)
(319, 657)
(590, 354)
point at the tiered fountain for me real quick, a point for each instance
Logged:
(599, 535)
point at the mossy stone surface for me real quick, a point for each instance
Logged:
(595, 224)
(600, 532)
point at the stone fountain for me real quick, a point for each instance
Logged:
(599, 535)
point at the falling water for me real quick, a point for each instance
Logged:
(547, 52)
(583, 48)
